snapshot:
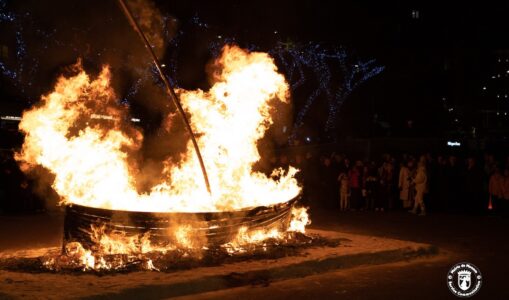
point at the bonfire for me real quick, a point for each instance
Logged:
(82, 135)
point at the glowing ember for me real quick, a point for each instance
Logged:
(93, 160)
(116, 250)
(120, 243)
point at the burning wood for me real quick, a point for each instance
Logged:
(77, 259)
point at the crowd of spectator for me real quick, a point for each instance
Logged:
(419, 184)
(16, 190)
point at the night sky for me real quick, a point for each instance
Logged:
(436, 56)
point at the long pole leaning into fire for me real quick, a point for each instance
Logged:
(169, 88)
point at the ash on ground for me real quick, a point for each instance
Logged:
(294, 244)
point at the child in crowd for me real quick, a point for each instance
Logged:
(344, 191)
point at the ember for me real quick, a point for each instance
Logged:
(77, 259)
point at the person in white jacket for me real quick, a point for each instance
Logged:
(420, 180)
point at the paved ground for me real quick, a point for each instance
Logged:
(30, 230)
(480, 240)
(352, 251)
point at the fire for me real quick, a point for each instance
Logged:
(85, 257)
(245, 237)
(116, 250)
(120, 243)
(93, 160)
(184, 237)
(300, 219)
(85, 139)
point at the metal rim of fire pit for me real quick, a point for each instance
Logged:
(217, 227)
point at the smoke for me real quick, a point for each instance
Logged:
(151, 23)
(41, 180)
(152, 101)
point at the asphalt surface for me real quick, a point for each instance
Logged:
(481, 240)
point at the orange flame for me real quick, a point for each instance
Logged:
(80, 134)
(93, 164)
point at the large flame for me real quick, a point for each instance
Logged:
(93, 161)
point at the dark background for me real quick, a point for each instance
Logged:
(437, 56)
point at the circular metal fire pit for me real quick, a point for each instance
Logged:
(217, 227)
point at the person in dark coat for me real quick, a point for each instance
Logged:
(440, 185)
(473, 187)
(328, 184)
(310, 180)
(355, 176)
(371, 186)
(454, 185)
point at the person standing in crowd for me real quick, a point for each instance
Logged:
(309, 171)
(355, 177)
(431, 169)
(473, 187)
(440, 186)
(490, 164)
(454, 184)
(344, 191)
(387, 183)
(365, 172)
(371, 187)
(420, 180)
(328, 183)
(423, 160)
(404, 184)
(495, 188)
(505, 190)
(346, 165)
(336, 161)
